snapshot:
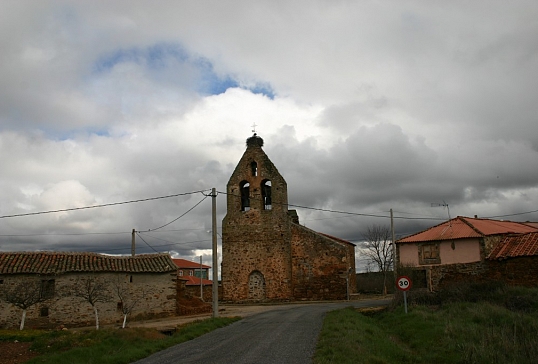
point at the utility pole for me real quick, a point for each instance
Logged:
(215, 257)
(393, 246)
(133, 243)
(201, 282)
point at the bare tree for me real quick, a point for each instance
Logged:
(378, 250)
(127, 296)
(92, 290)
(29, 293)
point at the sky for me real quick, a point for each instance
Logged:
(364, 107)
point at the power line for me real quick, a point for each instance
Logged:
(515, 214)
(103, 205)
(127, 248)
(147, 243)
(180, 216)
(64, 234)
(172, 243)
(350, 213)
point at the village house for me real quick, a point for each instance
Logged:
(458, 249)
(194, 278)
(189, 269)
(266, 254)
(147, 283)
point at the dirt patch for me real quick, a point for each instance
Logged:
(367, 311)
(15, 352)
(192, 306)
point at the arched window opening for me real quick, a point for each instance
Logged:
(254, 168)
(245, 196)
(256, 286)
(266, 195)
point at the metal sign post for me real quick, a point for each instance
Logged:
(404, 284)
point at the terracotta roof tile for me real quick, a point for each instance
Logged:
(64, 262)
(466, 227)
(183, 263)
(195, 281)
(520, 245)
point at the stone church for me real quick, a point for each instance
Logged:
(266, 254)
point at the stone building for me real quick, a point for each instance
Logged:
(146, 281)
(266, 254)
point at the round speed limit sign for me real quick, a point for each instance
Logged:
(403, 283)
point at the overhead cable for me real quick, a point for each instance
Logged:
(103, 205)
(180, 216)
(352, 213)
(147, 243)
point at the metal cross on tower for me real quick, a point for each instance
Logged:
(254, 127)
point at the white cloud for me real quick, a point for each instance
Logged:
(363, 107)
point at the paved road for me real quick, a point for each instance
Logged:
(284, 335)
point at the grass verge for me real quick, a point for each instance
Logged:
(453, 332)
(109, 346)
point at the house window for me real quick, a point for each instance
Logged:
(181, 273)
(1, 281)
(190, 273)
(44, 311)
(429, 254)
(47, 288)
(266, 195)
(254, 168)
(245, 196)
(119, 306)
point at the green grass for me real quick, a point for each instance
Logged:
(108, 346)
(494, 330)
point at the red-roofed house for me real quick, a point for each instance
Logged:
(147, 281)
(192, 270)
(195, 277)
(456, 248)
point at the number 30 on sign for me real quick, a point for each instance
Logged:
(403, 283)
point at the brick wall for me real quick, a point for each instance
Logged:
(155, 294)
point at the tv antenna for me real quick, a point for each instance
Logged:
(444, 204)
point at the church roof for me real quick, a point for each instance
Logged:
(337, 239)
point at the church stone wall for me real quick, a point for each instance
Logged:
(247, 258)
(322, 269)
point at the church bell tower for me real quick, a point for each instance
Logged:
(256, 231)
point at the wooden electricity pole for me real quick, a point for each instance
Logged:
(201, 280)
(215, 257)
(133, 243)
(393, 245)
